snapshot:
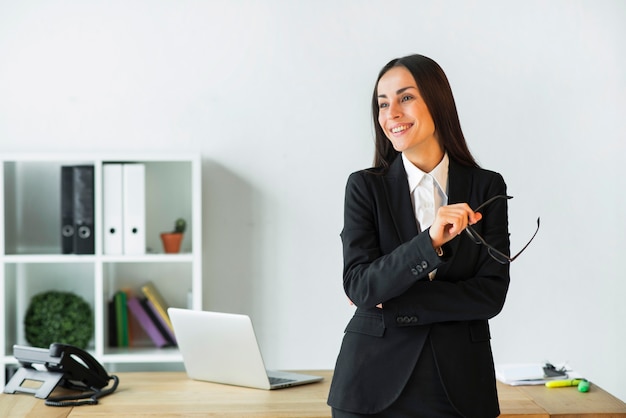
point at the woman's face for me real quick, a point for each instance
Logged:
(402, 113)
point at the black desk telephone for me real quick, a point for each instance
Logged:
(66, 365)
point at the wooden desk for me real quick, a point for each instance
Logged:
(172, 394)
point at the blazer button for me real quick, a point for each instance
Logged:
(414, 272)
(402, 320)
(424, 264)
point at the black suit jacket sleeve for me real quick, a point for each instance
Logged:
(373, 271)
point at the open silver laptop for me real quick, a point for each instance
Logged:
(221, 347)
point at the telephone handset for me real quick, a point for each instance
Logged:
(65, 365)
(78, 365)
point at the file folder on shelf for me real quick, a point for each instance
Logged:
(134, 204)
(67, 210)
(83, 210)
(112, 209)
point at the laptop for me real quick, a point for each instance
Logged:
(222, 348)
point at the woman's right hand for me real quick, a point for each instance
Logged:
(450, 221)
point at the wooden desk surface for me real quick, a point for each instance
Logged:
(172, 394)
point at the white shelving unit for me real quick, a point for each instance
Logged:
(31, 260)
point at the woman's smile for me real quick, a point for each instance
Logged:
(400, 128)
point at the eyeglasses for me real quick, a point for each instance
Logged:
(496, 254)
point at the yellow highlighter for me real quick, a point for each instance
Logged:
(583, 384)
(563, 383)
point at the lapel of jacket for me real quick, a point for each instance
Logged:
(398, 199)
(459, 185)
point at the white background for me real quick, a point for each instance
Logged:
(275, 95)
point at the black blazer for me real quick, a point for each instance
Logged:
(387, 261)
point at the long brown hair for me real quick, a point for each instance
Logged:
(437, 94)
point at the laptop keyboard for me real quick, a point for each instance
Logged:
(279, 380)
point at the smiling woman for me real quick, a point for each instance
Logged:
(423, 290)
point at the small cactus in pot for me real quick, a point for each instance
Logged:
(180, 225)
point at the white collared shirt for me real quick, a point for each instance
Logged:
(421, 187)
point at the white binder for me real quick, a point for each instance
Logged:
(134, 214)
(112, 209)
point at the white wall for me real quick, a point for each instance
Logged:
(275, 95)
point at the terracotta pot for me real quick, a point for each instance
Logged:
(171, 241)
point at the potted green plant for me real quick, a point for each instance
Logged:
(58, 317)
(171, 240)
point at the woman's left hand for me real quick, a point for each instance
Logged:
(379, 306)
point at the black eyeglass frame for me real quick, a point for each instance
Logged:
(496, 254)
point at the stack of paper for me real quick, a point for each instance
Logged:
(525, 374)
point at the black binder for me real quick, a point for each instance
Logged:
(84, 242)
(67, 209)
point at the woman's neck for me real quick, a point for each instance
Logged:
(425, 160)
